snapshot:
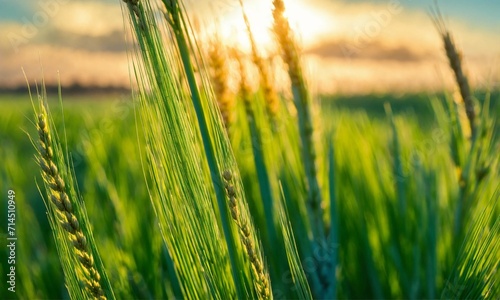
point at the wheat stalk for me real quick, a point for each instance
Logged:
(220, 73)
(322, 281)
(270, 96)
(455, 61)
(245, 232)
(219, 156)
(244, 86)
(290, 56)
(64, 208)
(465, 177)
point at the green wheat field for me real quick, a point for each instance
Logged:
(185, 190)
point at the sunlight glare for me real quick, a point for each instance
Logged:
(309, 23)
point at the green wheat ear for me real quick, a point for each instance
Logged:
(247, 239)
(73, 238)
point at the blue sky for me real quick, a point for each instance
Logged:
(483, 13)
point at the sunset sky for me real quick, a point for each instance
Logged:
(350, 46)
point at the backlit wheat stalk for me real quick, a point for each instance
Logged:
(455, 61)
(220, 75)
(178, 105)
(302, 100)
(244, 86)
(468, 178)
(270, 96)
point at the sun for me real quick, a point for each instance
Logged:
(309, 22)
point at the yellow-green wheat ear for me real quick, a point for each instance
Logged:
(58, 196)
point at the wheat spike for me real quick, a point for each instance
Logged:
(455, 61)
(261, 277)
(64, 208)
(270, 96)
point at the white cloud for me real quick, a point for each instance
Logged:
(89, 18)
(355, 24)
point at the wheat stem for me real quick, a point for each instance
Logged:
(152, 56)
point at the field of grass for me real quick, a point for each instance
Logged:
(183, 191)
